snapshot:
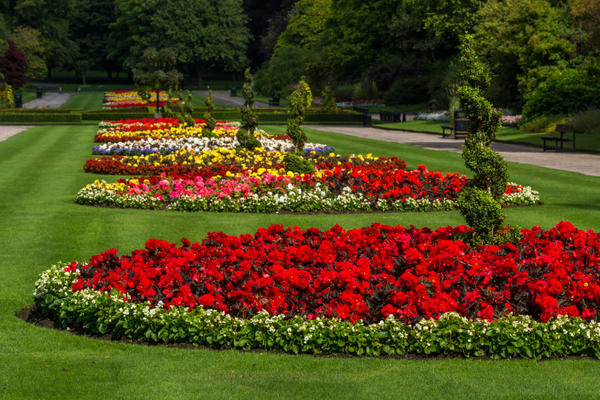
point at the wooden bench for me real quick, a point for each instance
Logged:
(275, 100)
(461, 128)
(447, 130)
(559, 141)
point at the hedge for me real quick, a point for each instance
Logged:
(106, 115)
(40, 117)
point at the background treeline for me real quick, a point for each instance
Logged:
(544, 54)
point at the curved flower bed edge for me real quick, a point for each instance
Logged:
(97, 313)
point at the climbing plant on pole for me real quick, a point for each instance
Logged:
(156, 73)
(479, 202)
(211, 124)
(300, 100)
(245, 135)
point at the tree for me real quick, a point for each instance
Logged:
(154, 73)
(479, 202)
(13, 65)
(90, 29)
(205, 34)
(522, 41)
(51, 18)
(28, 41)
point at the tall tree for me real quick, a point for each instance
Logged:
(13, 65)
(28, 41)
(90, 29)
(205, 34)
(51, 18)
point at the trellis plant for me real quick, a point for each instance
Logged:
(211, 124)
(479, 203)
(300, 100)
(245, 135)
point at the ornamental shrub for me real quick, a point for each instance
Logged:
(245, 135)
(479, 204)
(211, 124)
(13, 65)
(587, 121)
(300, 100)
(298, 164)
(407, 91)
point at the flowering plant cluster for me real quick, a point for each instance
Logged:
(375, 290)
(190, 172)
(131, 98)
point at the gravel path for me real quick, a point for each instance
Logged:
(7, 131)
(587, 164)
(49, 100)
(222, 96)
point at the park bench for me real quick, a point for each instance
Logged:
(392, 116)
(275, 100)
(447, 130)
(460, 128)
(559, 141)
(366, 114)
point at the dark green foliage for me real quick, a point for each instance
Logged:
(245, 135)
(407, 91)
(298, 164)
(479, 204)
(328, 99)
(300, 100)
(565, 91)
(211, 124)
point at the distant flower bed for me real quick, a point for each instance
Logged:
(432, 116)
(375, 290)
(182, 169)
(511, 120)
(131, 98)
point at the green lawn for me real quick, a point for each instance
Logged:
(40, 172)
(28, 96)
(86, 101)
(200, 101)
(584, 142)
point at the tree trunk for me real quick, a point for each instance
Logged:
(83, 79)
(157, 98)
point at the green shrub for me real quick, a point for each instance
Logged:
(407, 91)
(344, 92)
(544, 123)
(297, 164)
(365, 90)
(587, 121)
(103, 115)
(565, 91)
(482, 213)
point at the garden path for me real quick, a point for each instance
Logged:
(222, 96)
(49, 100)
(7, 131)
(584, 163)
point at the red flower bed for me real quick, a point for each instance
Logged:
(366, 273)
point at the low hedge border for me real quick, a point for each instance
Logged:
(512, 336)
(40, 117)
